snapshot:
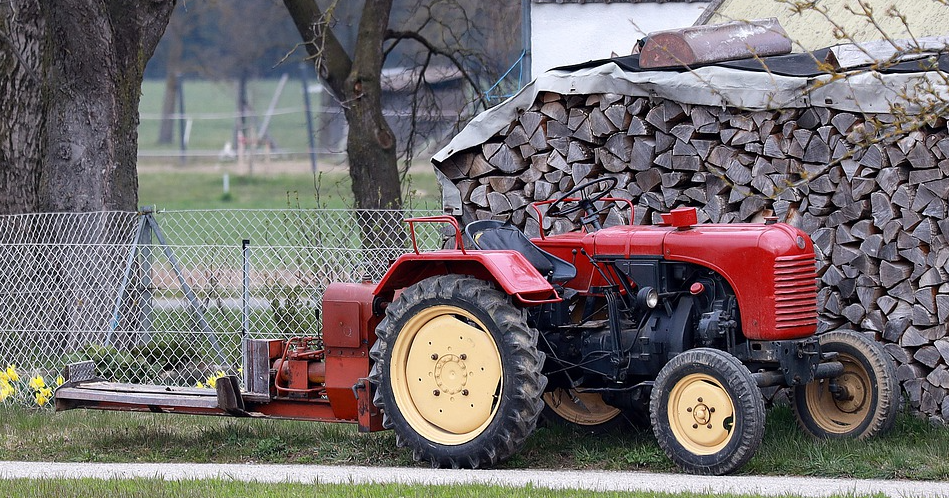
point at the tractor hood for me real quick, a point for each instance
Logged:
(771, 268)
(700, 243)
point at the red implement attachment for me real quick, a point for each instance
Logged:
(716, 43)
(299, 378)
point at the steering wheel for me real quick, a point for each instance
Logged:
(585, 203)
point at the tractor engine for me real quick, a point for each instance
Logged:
(676, 307)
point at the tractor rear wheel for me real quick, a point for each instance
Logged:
(707, 412)
(585, 411)
(860, 403)
(458, 372)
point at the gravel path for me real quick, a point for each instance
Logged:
(592, 480)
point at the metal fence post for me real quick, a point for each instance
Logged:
(189, 293)
(245, 304)
(145, 256)
(126, 278)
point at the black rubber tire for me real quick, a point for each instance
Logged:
(521, 381)
(715, 372)
(871, 375)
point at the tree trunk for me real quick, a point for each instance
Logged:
(70, 80)
(21, 105)
(371, 145)
(356, 82)
(169, 100)
(175, 36)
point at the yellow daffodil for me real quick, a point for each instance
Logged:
(41, 398)
(37, 382)
(211, 381)
(199, 385)
(6, 390)
(60, 380)
(11, 372)
(3, 376)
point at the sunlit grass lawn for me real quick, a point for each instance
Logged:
(82, 488)
(914, 450)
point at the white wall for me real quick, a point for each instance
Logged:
(570, 33)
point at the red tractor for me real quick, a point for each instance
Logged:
(461, 350)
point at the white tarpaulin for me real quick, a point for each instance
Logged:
(864, 91)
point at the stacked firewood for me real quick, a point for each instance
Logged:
(872, 197)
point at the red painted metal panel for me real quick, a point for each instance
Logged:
(748, 256)
(624, 240)
(770, 267)
(795, 292)
(370, 417)
(315, 410)
(347, 360)
(630, 240)
(342, 319)
(509, 269)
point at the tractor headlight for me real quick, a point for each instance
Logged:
(647, 297)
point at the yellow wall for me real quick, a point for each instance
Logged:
(810, 30)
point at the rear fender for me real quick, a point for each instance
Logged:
(509, 270)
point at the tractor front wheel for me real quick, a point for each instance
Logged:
(458, 372)
(860, 403)
(707, 412)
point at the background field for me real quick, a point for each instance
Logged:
(279, 180)
(212, 105)
(284, 187)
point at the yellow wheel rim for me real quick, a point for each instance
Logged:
(585, 409)
(840, 414)
(701, 414)
(446, 375)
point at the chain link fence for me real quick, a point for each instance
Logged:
(168, 297)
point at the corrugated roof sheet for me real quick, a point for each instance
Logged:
(812, 30)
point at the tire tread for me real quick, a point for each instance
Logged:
(518, 341)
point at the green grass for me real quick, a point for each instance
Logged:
(81, 488)
(914, 450)
(211, 104)
(183, 190)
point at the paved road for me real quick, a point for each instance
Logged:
(592, 480)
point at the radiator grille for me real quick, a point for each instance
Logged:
(795, 291)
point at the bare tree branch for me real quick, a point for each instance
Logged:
(398, 36)
(332, 61)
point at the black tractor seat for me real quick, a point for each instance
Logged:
(494, 234)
